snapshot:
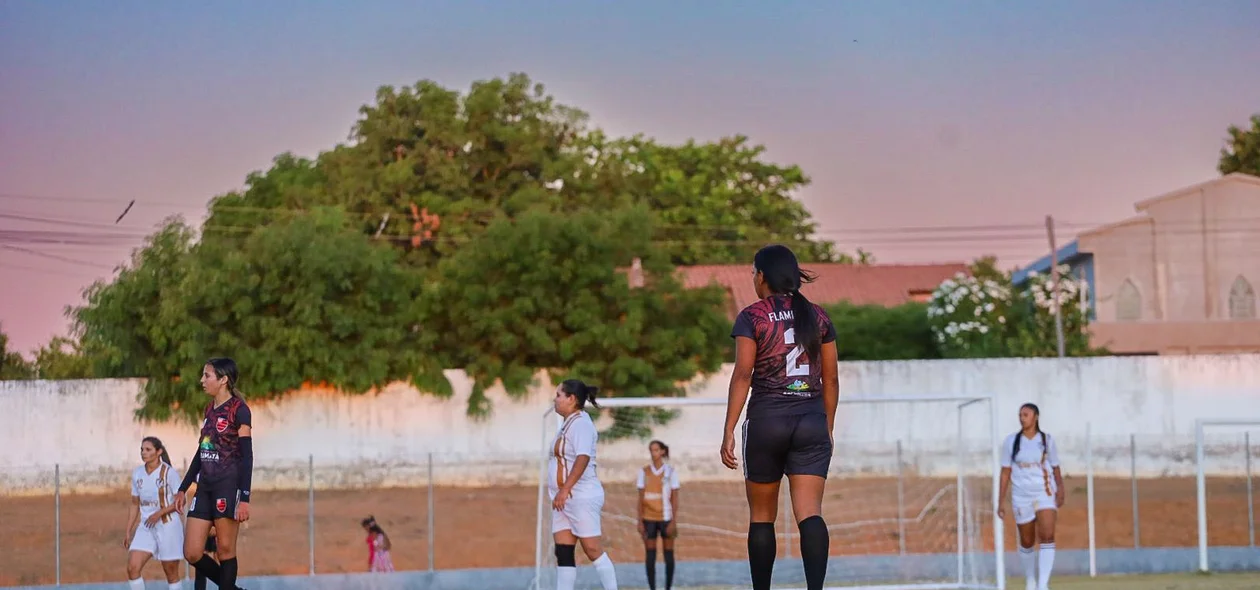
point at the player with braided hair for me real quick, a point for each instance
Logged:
(1030, 471)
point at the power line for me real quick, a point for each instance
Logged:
(57, 257)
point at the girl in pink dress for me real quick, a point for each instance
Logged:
(378, 547)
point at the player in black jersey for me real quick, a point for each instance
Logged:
(223, 469)
(785, 351)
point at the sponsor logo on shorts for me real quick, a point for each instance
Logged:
(220, 505)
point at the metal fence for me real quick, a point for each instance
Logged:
(65, 524)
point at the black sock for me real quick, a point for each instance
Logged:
(669, 569)
(228, 580)
(815, 546)
(649, 560)
(762, 549)
(199, 582)
(209, 568)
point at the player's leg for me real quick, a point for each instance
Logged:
(197, 530)
(566, 549)
(199, 578)
(765, 442)
(651, 530)
(137, 557)
(171, 569)
(585, 516)
(170, 542)
(228, 530)
(808, 463)
(667, 543)
(1025, 521)
(1046, 521)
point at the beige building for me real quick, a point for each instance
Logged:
(1181, 276)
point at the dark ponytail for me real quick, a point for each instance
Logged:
(585, 393)
(157, 444)
(783, 274)
(664, 447)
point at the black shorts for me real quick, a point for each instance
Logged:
(775, 446)
(215, 499)
(655, 528)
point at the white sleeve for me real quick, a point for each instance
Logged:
(1052, 451)
(638, 481)
(172, 481)
(1005, 452)
(583, 436)
(674, 482)
(135, 485)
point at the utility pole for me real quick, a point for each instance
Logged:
(1054, 280)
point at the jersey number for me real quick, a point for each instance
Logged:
(794, 368)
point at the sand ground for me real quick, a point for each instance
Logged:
(495, 527)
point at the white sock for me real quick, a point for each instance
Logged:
(137, 584)
(607, 573)
(1044, 564)
(566, 578)
(175, 585)
(1028, 557)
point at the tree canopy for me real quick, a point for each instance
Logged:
(1242, 149)
(481, 230)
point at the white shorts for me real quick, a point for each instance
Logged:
(164, 541)
(1027, 507)
(580, 515)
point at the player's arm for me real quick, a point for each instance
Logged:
(830, 383)
(245, 434)
(386, 545)
(583, 438)
(1052, 455)
(194, 469)
(641, 483)
(1004, 481)
(133, 515)
(674, 487)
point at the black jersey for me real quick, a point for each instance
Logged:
(785, 380)
(220, 449)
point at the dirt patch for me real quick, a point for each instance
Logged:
(495, 527)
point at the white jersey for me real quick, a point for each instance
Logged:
(156, 490)
(1032, 470)
(577, 436)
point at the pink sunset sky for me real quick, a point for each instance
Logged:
(960, 116)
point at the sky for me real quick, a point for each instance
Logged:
(961, 116)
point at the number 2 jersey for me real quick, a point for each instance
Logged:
(220, 448)
(785, 380)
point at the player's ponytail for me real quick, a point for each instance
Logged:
(157, 445)
(584, 393)
(783, 274)
(226, 367)
(664, 447)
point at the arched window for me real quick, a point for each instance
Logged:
(1242, 300)
(1128, 302)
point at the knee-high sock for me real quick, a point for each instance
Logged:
(815, 546)
(136, 584)
(649, 562)
(669, 569)
(762, 549)
(227, 581)
(607, 573)
(566, 567)
(210, 569)
(1045, 564)
(1028, 558)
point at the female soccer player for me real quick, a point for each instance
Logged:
(577, 496)
(379, 545)
(1035, 495)
(153, 490)
(658, 507)
(223, 469)
(785, 351)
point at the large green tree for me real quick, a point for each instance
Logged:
(328, 269)
(1242, 149)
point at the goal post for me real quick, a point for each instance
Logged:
(910, 501)
(1200, 468)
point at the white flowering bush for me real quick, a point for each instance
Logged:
(1038, 335)
(971, 316)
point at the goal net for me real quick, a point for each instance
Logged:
(909, 500)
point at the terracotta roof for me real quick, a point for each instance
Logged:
(879, 284)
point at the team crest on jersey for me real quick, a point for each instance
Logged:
(221, 424)
(221, 505)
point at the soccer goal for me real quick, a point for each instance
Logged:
(909, 502)
(1200, 467)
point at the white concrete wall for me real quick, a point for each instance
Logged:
(87, 427)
